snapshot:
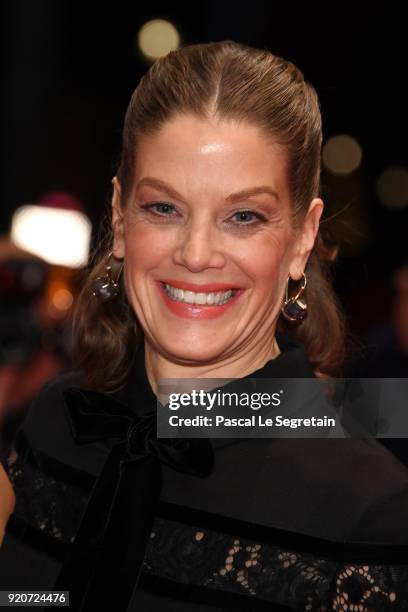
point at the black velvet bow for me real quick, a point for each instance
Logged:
(107, 554)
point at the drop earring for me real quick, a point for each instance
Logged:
(295, 309)
(106, 287)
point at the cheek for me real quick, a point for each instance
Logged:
(145, 246)
(265, 261)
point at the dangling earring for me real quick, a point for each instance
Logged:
(105, 287)
(294, 309)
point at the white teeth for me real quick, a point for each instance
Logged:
(201, 298)
(190, 297)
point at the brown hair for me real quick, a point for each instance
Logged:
(231, 81)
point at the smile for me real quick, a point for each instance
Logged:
(203, 298)
(198, 305)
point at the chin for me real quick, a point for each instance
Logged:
(191, 351)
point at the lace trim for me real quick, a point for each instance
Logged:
(214, 560)
(52, 506)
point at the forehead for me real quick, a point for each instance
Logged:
(214, 155)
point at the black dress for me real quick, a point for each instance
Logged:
(250, 524)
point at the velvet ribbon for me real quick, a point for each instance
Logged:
(106, 557)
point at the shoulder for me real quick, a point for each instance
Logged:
(342, 490)
(382, 485)
(47, 427)
(353, 489)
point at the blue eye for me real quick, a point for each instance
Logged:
(243, 213)
(163, 204)
(246, 212)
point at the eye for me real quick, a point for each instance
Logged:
(165, 208)
(244, 213)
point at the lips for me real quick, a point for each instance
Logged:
(197, 311)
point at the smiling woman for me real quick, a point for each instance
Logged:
(212, 258)
(219, 181)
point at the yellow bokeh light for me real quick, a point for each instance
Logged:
(157, 37)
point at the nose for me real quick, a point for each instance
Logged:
(200, 246)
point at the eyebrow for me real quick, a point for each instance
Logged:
(233, 197)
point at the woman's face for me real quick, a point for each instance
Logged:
(209, 205)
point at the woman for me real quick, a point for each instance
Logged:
(216, 199)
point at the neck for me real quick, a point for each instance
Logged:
(161, 366)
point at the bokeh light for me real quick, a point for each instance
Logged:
(157, 37)
(62, 299)
(341, 154)
(59, 237)
(392, 187)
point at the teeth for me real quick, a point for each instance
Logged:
(190, 297)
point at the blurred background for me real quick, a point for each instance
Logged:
(68, 72)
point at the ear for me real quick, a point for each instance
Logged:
(306, 239)
(117, 221)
